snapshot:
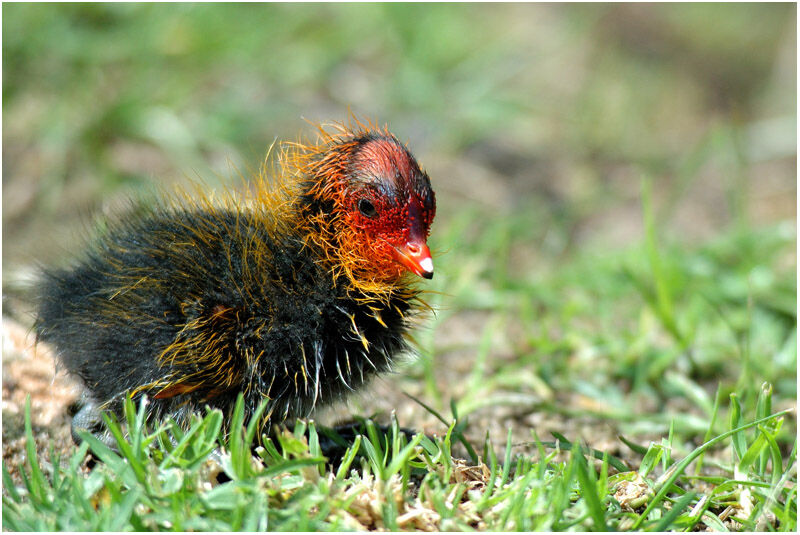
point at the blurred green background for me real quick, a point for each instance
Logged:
(537, 125)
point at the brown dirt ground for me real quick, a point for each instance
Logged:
(29, 370)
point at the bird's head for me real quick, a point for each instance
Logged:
(388, 205)
(372, 206)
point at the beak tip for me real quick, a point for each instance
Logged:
(427, 267)
(416, 259)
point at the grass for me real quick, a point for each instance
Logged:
(164, 479)
(615, 342)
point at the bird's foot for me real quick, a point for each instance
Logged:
(90, 419)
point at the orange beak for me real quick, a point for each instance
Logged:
(415, 257)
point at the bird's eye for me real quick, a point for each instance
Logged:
(366, 208)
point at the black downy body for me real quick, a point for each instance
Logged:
(273, 322)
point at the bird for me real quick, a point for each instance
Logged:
(292, 293)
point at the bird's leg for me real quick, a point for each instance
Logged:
(90, 419)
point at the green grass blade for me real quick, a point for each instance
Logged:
(9, 487)
(710, 430)
(664, 302)
(677, 508)
(739, 440)
(566, 444)
(348, 458)
(401, 459)
(459, 437)
(126, 448)
(775, 454)
(38, 486)
(588, 486)
(641, 450)
(255, 423)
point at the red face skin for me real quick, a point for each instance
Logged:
(390, 204)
